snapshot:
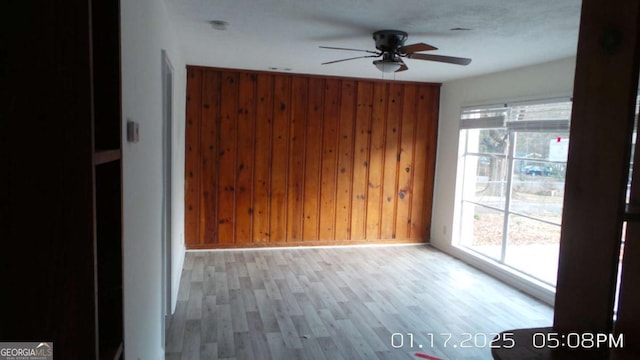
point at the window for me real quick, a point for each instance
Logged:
(512, 176)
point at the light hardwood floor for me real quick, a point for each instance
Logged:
(341, 303)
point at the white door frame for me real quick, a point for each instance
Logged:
(167, 123)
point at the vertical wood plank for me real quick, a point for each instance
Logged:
(360, 160)
(280, 159)
(209, 157)
(291, 158)
(297, 134)
(192, 157)
(430, 167)
(345, 160)
(313, 160)
(227, 153)
(425, 145)
(262, 162)
(329, 159)
(244, 158)
(594, 203)
(376, 161)
(391, 161)
(406, 169)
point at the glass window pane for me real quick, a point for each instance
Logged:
(481, 229)
(535, 146)
(533, 248)
(538, 190)
(524, 145)
(486, 180)
(493, 141)
(487, 141)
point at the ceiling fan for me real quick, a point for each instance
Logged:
(390, 45)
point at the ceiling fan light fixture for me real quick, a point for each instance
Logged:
(387, 66)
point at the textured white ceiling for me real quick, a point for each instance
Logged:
(285, 34)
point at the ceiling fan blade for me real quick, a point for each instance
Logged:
(441, 58)
(417, 48)
(403, 67)
(353, 58)
(339, 48)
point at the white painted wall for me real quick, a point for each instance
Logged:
(146, 30)
(541, 81)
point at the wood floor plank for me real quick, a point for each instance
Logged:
(269, 322)
(238, 309)
(338, 303)
(197, 271)
(390, 321)
(232, 276)
(261, 261)
(208, 351)
(361, 349)
(255, 276)
(288, 298)
(359, 311)
(311, 315)
(329, 348)
(248, 298)
(310, 347)
(209, 280)
(241, 265)
(257, 335)
(362, 322)
(185, 285)
(355, 286)
(243, 349)
(332, 284)
(209, 323)
(287, 328)
(225, 338)
(273, 292)
(194, 306)
(175, 333)
(277, 347)
(172, 356)
(293, 283)
(188, 263)
(191, 346)
(321, 292)
(274, 271)
(337, 335)
(222, 288)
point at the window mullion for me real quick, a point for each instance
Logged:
(511, 149)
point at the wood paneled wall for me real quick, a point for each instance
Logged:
(278, 159)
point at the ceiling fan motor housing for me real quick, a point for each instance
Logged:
(389, 40)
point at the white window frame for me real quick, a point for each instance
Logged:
(488, 116)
